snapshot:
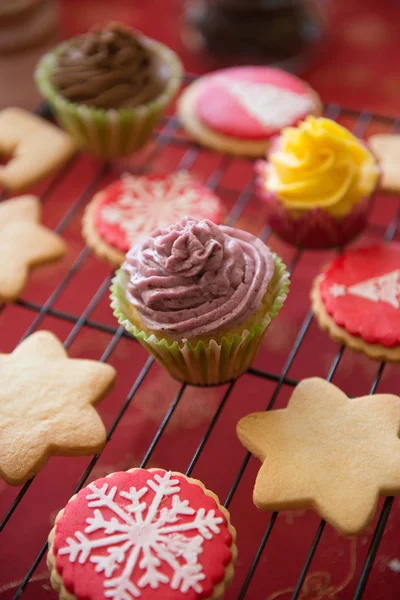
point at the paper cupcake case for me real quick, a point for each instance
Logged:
(316, 228)
(216, 361)
(114, 132)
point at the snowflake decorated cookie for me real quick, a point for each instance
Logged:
(136, 204)
(357, 300)
(147, 534)
(238, 110)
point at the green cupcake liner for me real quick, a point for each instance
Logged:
(109, 133)
(214, 362)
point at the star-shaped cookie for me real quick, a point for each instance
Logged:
(35, 147)
(386, 147)
(326, 452)
(24, 243)
(46, 406)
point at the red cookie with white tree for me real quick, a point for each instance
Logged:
(357, 300)
(239, 110)
(135, 205)
(149, 534)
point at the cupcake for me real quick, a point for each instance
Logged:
(109, 87)
(144, 533)
(200, 298)
(134, 205)
(317, 184)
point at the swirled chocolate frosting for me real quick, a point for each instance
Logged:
(195, 277)
(109, 68)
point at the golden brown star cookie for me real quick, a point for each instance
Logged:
(36, 148)
(24, 243)
(327, 452)
(386, 148)
(46, 406)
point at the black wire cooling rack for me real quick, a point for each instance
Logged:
(170, 135)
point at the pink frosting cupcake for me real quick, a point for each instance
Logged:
(200, 298)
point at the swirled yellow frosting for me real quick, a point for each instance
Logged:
(320, 164)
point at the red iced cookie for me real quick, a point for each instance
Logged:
(360, 290)
(253, 103)
(135, 205)
(147, 534)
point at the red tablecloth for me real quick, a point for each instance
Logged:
(358, 67)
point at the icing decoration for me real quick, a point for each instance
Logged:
(252, 102)
(320, 164)
(195, 277)
(270, 106)
(361, 292)
(135, 205)
(377, 289)
(149, 534)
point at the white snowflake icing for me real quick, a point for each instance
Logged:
(111, 215)
(143, 536)
(149, 203)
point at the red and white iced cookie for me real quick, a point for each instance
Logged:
(357, 300)
(238, 110)
(136, 204)
(147, 534)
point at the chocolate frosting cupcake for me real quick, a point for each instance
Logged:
(109, 68)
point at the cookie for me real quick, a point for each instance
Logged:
(135, 205)
(386, 148)
(238, 110)
(36, 148)
(142, 534)
(357, 300)
(46, 406)
(326, 452)
(24, 243)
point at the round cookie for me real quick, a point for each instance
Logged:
(135, 205)
(357, 300)
(238, 110)
(143, 534)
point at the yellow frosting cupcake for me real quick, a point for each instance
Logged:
(314, 170)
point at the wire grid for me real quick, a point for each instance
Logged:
(166, 136)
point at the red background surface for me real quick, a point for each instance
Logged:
(356, 66)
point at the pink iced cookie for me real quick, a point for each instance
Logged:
(253, 102)
(237, 110)
(147, 534)
(135, 205)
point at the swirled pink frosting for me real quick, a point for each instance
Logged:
(195, 277)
